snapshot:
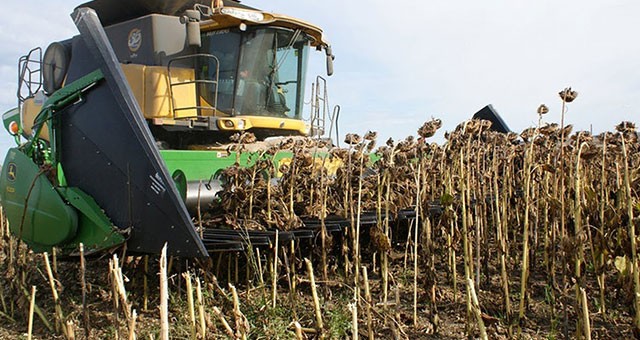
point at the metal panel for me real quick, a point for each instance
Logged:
(490, 114)
(107, 151)
(150, 40)
(115, 11)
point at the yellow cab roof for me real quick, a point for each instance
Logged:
(228, 17)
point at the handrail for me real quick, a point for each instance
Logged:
(213, 82)
(319, 105)
(26, 74)
(334, 121)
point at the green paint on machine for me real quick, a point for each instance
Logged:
(44, 216)
(36, 212)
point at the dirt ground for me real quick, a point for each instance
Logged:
(393, 320)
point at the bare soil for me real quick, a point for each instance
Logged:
(543, 318)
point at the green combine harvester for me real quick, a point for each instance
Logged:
(118, 127)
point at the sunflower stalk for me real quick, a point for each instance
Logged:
(632, 235)
(524, 277)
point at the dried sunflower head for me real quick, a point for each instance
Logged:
(310, 143)
(568, 95)
(371, 145)
(390, 142)
(284, 168)
(428, 129)
(272, 150)
(248, 138)
(243, 138)
(590, 151)
(581, 137)
(549, 129)
(371, 135)
(340, 153)
(323, 143)
(566, 131)
(287, 144)
(406, 144)
(626, 127)
(383, 150)
(528, 133)
(379, 240)
(485, 124)
(471, 127)
(542, 109)
(306, 159)
(512, 137)
(352, 139)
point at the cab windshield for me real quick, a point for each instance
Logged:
(261, 71)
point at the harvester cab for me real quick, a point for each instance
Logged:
(128, 123)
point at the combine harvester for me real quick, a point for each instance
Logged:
(124, 122)
(129, 125)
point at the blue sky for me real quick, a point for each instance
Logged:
(400, 63)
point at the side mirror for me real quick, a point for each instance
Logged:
(192, 20)
(330, 58)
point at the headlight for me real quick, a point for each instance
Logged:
(14, 128)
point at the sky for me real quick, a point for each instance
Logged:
(401, 63)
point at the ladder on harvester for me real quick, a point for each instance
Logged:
(29, 75)
(197, 107)
(320, 110)
(319, 106)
